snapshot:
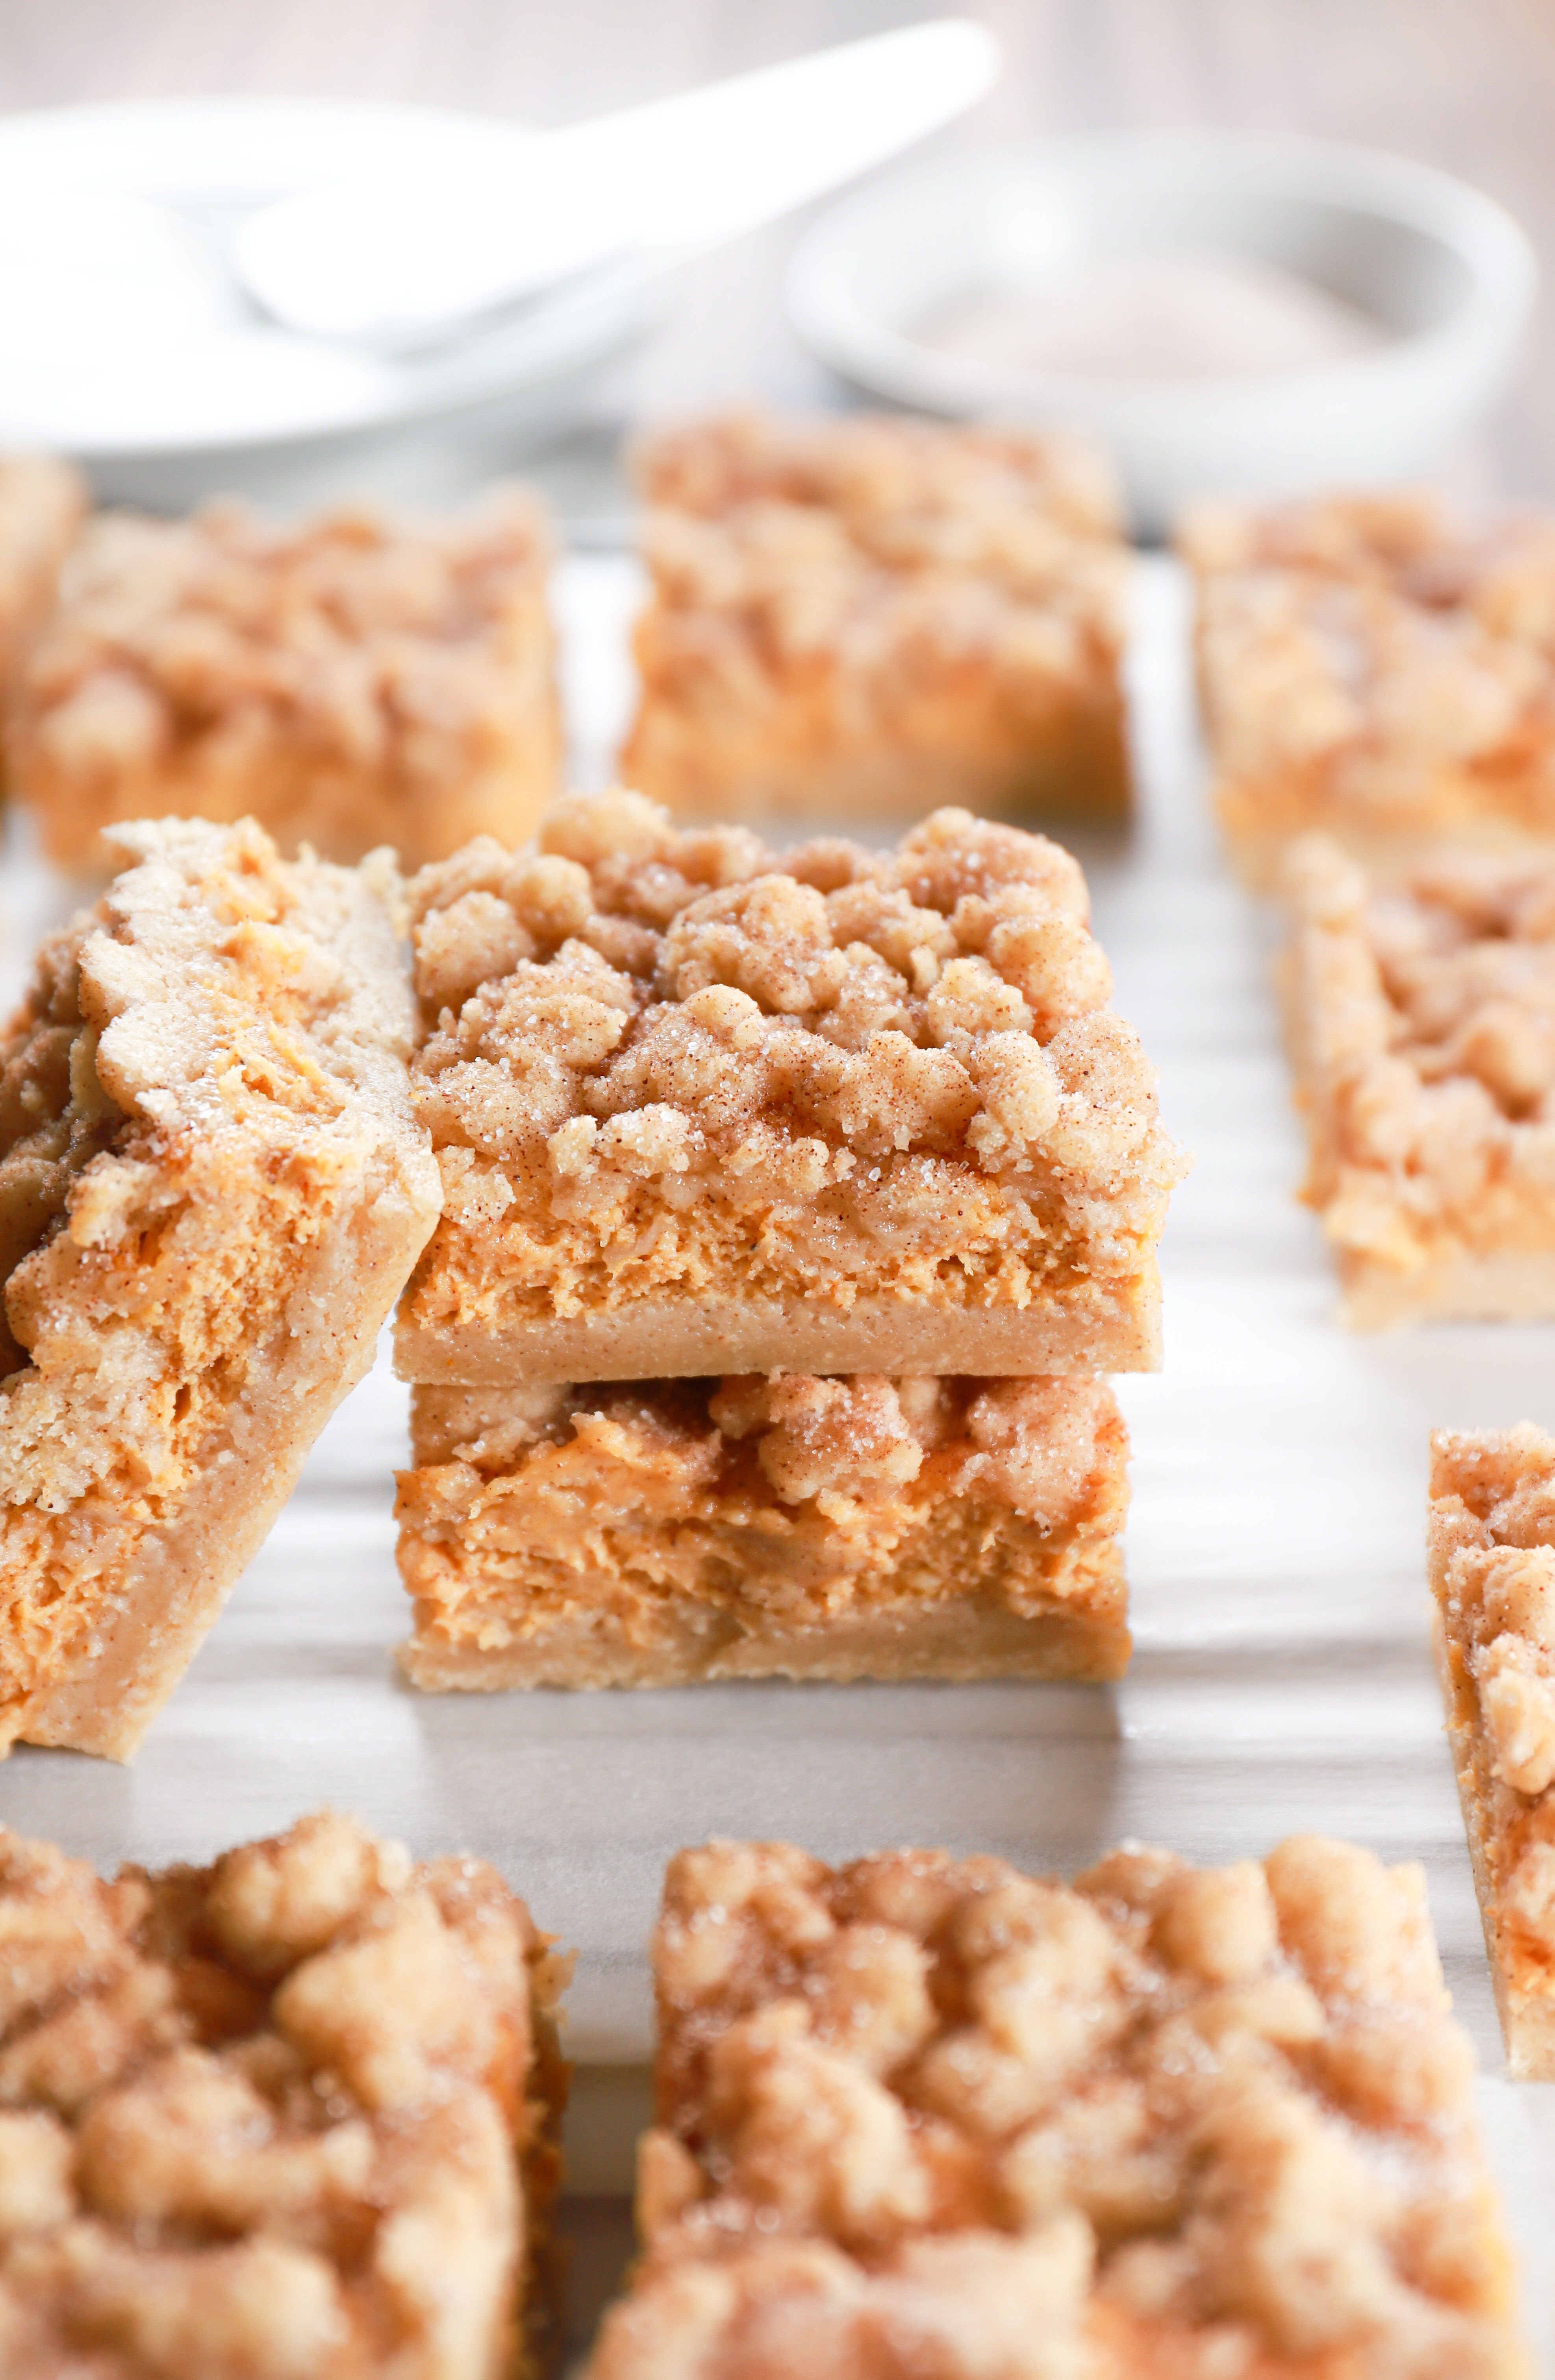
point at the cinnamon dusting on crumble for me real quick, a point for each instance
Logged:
(660, 1060)
(918, 2113)
(261, 2119)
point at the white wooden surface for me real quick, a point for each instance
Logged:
(1281, 1680)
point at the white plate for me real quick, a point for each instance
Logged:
(1281, 1678)
(123, 338)
(1447, 274)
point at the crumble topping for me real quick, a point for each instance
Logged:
(41, 505)
(204, 1082)
(655, 1059)
(934, 2114)
(262, 2119)
(1377, 638)
(1425, 1023)
(859, 585)
(1493, 1523)
(342, 677)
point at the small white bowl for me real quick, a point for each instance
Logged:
(1446, 272)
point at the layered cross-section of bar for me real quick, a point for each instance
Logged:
(212, 1188)
(926, 2115)
(657, 1532)
(700, 1108)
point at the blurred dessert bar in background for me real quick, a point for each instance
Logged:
(350, 682)
(702, 1110)
(652, 1533)
(42, 504)
(925, 2114)
(294, 2113)
(1370, 667)
(212, 1190)
(863, 617)
(1422, 1029)
(1492, 1572)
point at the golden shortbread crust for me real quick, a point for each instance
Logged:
(699, 1108)
(1422, 1026)
(350, 682)
(292, 2114)
(864, 618)
(1374, 669)
(212, 1190)
(924, 2115)
(1492, 1572)
(663, 1531)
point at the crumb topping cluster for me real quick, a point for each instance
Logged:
(258, 2120)
(207, 1070)
(42, 503)
(841, 1446)
(350, 641)
(1373, 631)
(1426, 1020)
(662, 1058)
(938, 2102)
(875, 550)
(1493, 1515)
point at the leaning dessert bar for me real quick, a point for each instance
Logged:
(295, 2113)
(919, 2114)
(212, 1191)
(861, 617)
(1492, 1574)
(1370, 668)
(700, 1108)
(350, 682)
(659, 1532)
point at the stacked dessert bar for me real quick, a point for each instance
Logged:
(793, 1208)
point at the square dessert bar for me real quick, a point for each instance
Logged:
(919, 2114)
(212, 1191)
(1422, 1026)
(1372, 669)
(42, 504)
(289, 2115)
(349, 682)
(1492, 1572)
(702, 1109)
(669, 1530)
(861, 617)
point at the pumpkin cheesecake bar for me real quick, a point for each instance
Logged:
(292, 2114)
(349, 682)
(671, 1530)
(1371, 668)
(212, 1190)
(700, 1108)
(1492, 1572)
(863, 617)
(920, 2114)
(42, 504)
(1422, 1026)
